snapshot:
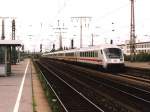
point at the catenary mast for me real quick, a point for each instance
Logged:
(132, 32)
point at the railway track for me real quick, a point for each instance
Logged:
(135, 78)
(71, 100)
(139, 76)
(130, 72)
(138, 72)
(135, 97)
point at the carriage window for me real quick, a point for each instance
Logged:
(92, 53)
(96, 54)
(81, 54)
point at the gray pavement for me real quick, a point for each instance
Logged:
(138, 64)
(10, 87)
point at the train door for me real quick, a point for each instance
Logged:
(100, 55)
(77, 53)
(102, 58)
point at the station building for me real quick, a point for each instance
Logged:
(141, 47)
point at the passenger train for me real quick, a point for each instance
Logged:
(107, 55)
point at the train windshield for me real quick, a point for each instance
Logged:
(113, 53)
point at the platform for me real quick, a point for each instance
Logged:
(16, 89)
(138, 64)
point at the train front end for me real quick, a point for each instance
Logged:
(113, 58)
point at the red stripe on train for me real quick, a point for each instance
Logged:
(89, 59)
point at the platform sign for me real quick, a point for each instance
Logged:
(2, 70)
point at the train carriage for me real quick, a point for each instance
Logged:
(71, 55)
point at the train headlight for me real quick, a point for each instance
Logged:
(108, 60)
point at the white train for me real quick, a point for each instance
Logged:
(107, 55)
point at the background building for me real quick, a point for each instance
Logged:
(141, 47)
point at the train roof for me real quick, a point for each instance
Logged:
(71, 50)
(98, 47)
(91, 48)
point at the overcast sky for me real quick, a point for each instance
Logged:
(36, 21)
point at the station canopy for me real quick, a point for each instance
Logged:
(10, 43)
